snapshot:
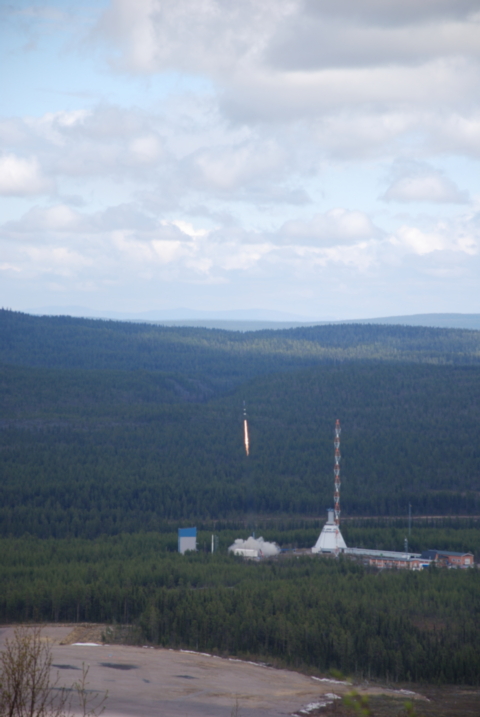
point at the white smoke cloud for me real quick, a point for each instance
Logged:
(266, 549)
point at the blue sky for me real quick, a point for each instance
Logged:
(320, 159)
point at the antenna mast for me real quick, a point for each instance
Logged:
(336, 471)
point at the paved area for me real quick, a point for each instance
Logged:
(147, 682)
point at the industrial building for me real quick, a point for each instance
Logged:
(412, 561)
(449, 558)
(389, 559)
(330, 541)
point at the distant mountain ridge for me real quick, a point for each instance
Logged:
(256, 319)
(438, 321)
(228, 357)
(179, 314)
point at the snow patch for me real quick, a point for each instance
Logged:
(193, 652)
(329, 679)
(313, 706)
(247, 662)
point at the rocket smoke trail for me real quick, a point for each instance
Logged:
(245, 430)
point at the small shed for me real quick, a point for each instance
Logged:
(187, 539)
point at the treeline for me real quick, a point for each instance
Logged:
(226, 357)
(86, 453)
(320, 613)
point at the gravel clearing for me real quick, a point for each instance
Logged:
(143, 682)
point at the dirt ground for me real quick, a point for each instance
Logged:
(148, 682)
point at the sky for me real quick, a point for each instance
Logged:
(318, 158)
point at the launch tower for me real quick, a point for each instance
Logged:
(336, 471)
(330, 539)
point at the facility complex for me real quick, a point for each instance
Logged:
(331, 542)
(412, 561)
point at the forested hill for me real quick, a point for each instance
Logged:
(110, 430)
(91, 452)
(108, 427)
(227, 357)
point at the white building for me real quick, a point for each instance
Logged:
(187, 539)
(246, 552)
(330, 539)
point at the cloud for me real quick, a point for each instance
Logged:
(285, 59)
(47, 221)
(460, 235)
(425, 185)
(332, 256)
(211, 36)
(173, 156)
(22, 177)
(335, 227)
(135, 242)
(228, 167)
(316, 39)
(242, 145)
(218, 38)
(406, 12)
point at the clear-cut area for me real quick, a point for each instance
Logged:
(146, 682)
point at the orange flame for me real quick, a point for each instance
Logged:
(247, 442)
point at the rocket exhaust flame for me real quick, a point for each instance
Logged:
(245, 430)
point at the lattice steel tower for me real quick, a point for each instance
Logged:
(336, 471)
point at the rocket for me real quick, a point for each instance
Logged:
(245, 430)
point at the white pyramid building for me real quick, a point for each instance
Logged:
(330, 539)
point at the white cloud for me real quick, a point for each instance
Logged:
(230, 167)
(315, 40)
(188, 228)
(335, 227)
(89, 252)
(406, 12)
(145, 150)
(286, 58)
(207, 36)
(426, 186)
(461, 235)
(22, 177)
(229, 143)
(189, 251)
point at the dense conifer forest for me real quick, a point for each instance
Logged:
(318, 613)
(114, 434)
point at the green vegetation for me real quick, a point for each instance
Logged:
(114, 434)
(320, 613)
(226, 357)
(85, 453)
